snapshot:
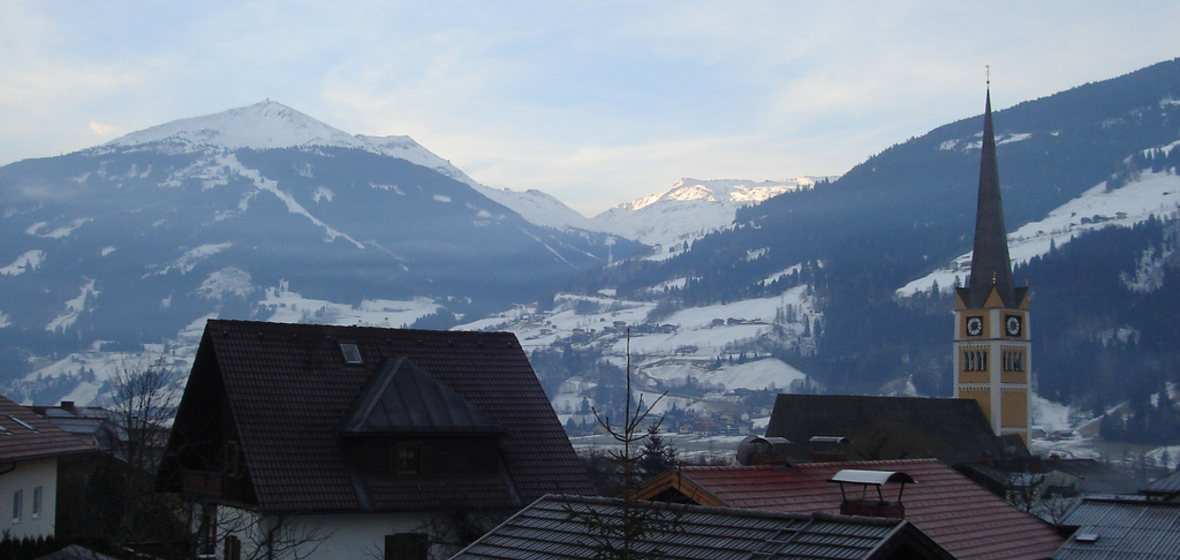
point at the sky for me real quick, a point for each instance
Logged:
(596, 103)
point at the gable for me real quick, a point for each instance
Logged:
(403, 399)
(289, 389)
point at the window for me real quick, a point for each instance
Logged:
(232, 549)
(18, 499)
(405, 458)
(37, 502)
(352, 354)
(407, 546)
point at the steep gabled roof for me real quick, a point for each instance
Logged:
(990, 263)
(962, 517)
(24, 436)
(286, 390)
(1122, 529)
(558, 527)
(951, 430)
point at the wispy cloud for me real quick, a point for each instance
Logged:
(594, 102)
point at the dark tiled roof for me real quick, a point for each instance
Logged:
(1123, 530)
(962, 517)
(25, 436)
(557, 527)
(951, 430)
(289, 391)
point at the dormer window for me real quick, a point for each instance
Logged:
(352, 355)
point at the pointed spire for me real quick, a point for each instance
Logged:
(989, 262)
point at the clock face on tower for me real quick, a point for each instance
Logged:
(1012, 325)
(974, 326)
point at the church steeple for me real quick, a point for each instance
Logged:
(992, 346)
(990, 266)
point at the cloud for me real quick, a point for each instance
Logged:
(104, 130)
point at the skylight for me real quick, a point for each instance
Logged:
(352, 355)
(21, 422)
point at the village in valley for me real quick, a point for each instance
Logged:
(232, 331)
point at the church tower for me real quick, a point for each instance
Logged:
(992, 361)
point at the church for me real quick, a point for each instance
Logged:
(992, 359)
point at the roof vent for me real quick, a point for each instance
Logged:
(757, 450)
(826, 449)
(865, 505)
(352, 355)
(1086, 537)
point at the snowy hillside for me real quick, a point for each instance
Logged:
(1151, 194)
(690, 209)
(693, 348)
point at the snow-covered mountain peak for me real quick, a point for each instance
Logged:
(690, 208)
(729, 191)
(264, 125)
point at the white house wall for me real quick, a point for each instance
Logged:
(354, 536)
(25, 478)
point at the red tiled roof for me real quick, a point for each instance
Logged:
(962, 517)
(25, 436)
(289, 391)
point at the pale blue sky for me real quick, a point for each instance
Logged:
(596, 103)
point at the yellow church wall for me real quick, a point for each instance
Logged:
(1013, 377)
(1014, 407)
(974, 377)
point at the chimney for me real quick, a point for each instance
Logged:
(68, 405)
(758, 450)
(829, 449)
(864, 504)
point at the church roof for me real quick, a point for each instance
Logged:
(951, 430)
(990, 263)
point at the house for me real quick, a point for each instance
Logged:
(1165, 489)
(1123, 529)
(882, 428)
(583, 527)
(30, 448)
(1048, 488)
(962, 517)
(93, 423)
(356, 441)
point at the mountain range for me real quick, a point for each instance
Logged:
(731, 290)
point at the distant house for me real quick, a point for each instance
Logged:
(355, 441)
(581, 527)
(1048, 488)
(1121, 529)
(92, 423)
(883, 428)
(30, 448)
(1166, 489)
(962, 517)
